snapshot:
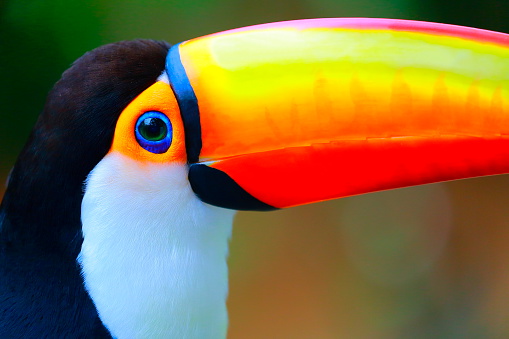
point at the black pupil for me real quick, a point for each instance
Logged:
(153, 129)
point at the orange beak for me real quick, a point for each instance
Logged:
(290, 113)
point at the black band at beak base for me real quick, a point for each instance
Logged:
(187, 101)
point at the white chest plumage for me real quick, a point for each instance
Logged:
(154, 255)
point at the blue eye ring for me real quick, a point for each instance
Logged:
(154, 132)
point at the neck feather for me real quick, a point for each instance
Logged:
(154, 255)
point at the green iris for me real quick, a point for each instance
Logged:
(153, 129)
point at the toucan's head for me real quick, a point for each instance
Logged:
(170, 140)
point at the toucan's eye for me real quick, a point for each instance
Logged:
(154, 132)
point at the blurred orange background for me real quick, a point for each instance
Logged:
(424, 262)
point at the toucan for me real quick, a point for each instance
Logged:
(116, 219)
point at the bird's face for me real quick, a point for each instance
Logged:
(150, 129)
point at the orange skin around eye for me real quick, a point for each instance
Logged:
(158, 97)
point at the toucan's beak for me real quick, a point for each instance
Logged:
(290, 113)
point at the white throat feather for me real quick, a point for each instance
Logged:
(154, 255)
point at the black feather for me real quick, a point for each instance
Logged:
(41, 290)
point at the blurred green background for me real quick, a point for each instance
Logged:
(425, 262)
